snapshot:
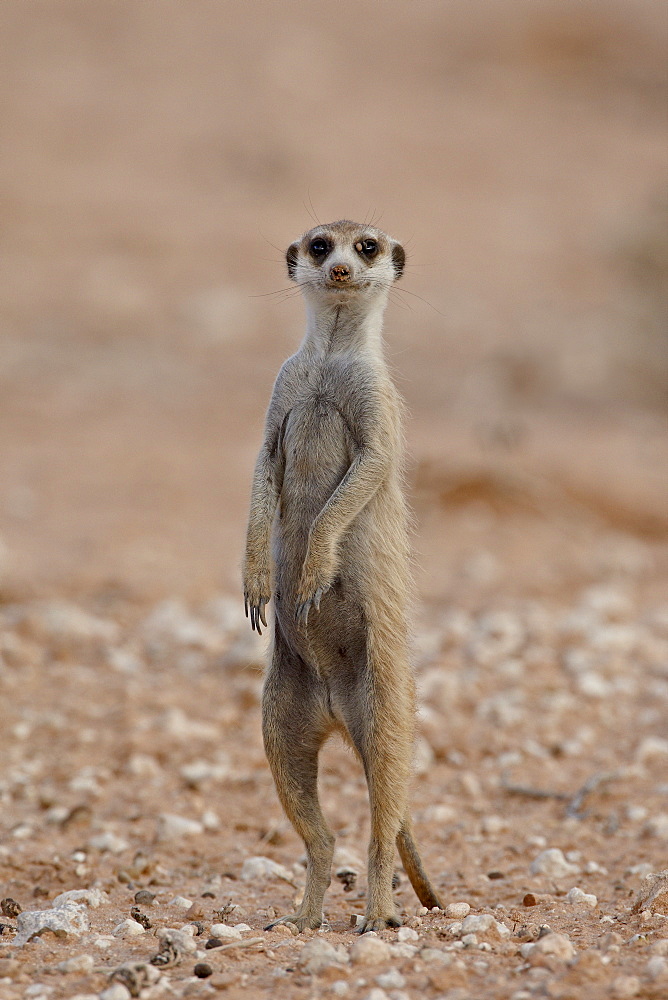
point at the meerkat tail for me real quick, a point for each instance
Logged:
(412, 862)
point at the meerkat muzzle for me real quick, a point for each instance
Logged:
(340, 272)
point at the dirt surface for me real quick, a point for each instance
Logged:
(157, 158)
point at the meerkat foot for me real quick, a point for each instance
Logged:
(302, 921)
(378, 923)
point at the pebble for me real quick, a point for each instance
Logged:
(657, 826)
(653, 893)
(406, 934)
(553, 864)
(391, 980)
(182, 902)
(128, 928)
(91, 897)
(483, 923)
(650, 747)
(117, 991)
(552, 944)
(625, 987)
(202, 970)
(259, 867)
(577, 896)
(318, 955)
(225, 932)
(69, 918)
(457, 911)
(657, 968)
(135, 976)
(108, 841)
(369, 950)
(78, 963)
(144, 897)
(172, 827)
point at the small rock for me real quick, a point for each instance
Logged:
(202, 970)
(653, 894)
(657, 826)
(172, 827)
(406, 934)
(492, 825)
(577, 896)
(117, 991)
(260, 867)
(553, 864)
(108, 841)
(457, 911)
(128, 928)
(650, 747)
(369, 950)
(625, 987)
(225, 932)
(214, 942)
(144, 897)
(10, 908)
(552, 945)
(182, 902)
(377, 994)
(530, 899)
(657, 969)
(90, 897)
(70, 918)
(391, 980)
(78, 963)
(484, 923)
(318, 955)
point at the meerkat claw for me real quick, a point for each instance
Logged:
(263, 605)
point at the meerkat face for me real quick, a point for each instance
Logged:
(345, 260)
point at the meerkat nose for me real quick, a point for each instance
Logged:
(340, 272)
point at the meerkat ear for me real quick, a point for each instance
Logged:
(398, 259)
(291, 258)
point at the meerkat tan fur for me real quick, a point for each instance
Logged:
(327, 498)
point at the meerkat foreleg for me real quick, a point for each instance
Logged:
(351, 495)
(294, 726)
(257, 564)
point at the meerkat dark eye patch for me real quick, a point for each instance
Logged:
(368, 248)
(318, 248)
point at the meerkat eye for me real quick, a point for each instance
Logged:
(368, 248)
(319, 248)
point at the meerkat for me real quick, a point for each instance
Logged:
(327, 498)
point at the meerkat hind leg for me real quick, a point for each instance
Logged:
(294, 727)
(380, 726)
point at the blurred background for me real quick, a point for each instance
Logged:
(157, 160)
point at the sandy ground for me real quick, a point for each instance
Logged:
(157, 159)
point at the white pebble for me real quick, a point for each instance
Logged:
(577, 896)
(457, 911)
(224, 931)
(108, 841)
(260, 867)
(182, 902)
(91, 897)
(171, 827)
(128, 928)
(78, 963)
(69, 918)
(393, 980)
(369, 950)
(407, 934)
(553, 864)
(117, 991)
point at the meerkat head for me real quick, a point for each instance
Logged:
(344, 261)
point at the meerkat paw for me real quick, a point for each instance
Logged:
(378, 923)
(257, 594)
(301, 921)
(304, 604)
